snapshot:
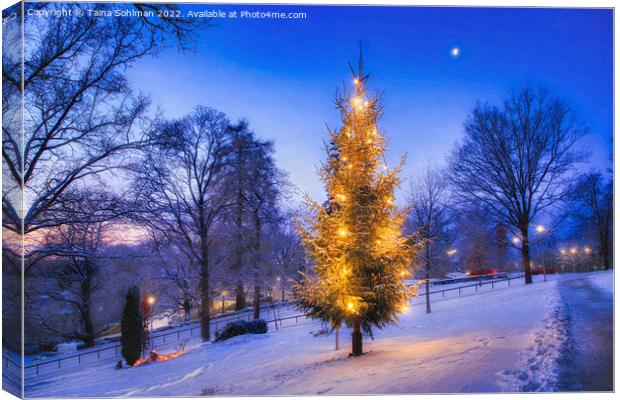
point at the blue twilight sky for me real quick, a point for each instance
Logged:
(282, 74)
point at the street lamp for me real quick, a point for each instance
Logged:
(224, 294)
(150, 300)
(588, 252)
(573, 252)
(540, 229)
(516, 240)
(451, 254)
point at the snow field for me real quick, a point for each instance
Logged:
(484, 342)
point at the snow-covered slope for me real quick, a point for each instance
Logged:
(505, 340)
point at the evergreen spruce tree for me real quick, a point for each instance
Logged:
(356, 239)
(131, 327)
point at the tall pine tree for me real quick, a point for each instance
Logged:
(356, 239)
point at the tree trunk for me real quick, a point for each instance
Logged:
(205, 317)
(257, 261)
(525, 253)
(256, 301)
(86, 315)
(604, 248)
(356, 338)
(240, 302)
(428, 270)
(187, 309)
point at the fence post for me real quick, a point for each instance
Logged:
(459, 290)
(492, 285)
(98, 354)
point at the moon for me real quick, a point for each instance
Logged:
(455, 52)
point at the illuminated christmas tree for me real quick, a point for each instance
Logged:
(355, 239)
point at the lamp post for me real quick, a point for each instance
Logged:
(281, 287)
(451, 254)
(224, 293)
(588, 251)
(150, 300)
(574, 252)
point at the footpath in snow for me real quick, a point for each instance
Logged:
(511, 339)
(587, 364)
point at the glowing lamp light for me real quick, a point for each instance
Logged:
(342, 232)
(341, 197)
(587, 249)
(404, 307)
(356, 81)
(573, 250)
(540, 229)
(403, 273)
(562, 251)
(516, 240)
(350, 306)
(150, 300)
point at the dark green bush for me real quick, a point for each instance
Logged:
(241, 328)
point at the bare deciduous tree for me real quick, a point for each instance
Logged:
(591, 202)
(515, 160)
(79, 113)
(180, 191)
(428, 216)
(78, 249)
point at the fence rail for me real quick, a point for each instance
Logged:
(188, 333)
(480, 282)
(159, 338)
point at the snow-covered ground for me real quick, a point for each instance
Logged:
(509, 339)
(604, 280)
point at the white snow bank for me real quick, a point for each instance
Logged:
(68, 347)
(465, 345)
(603, 280)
